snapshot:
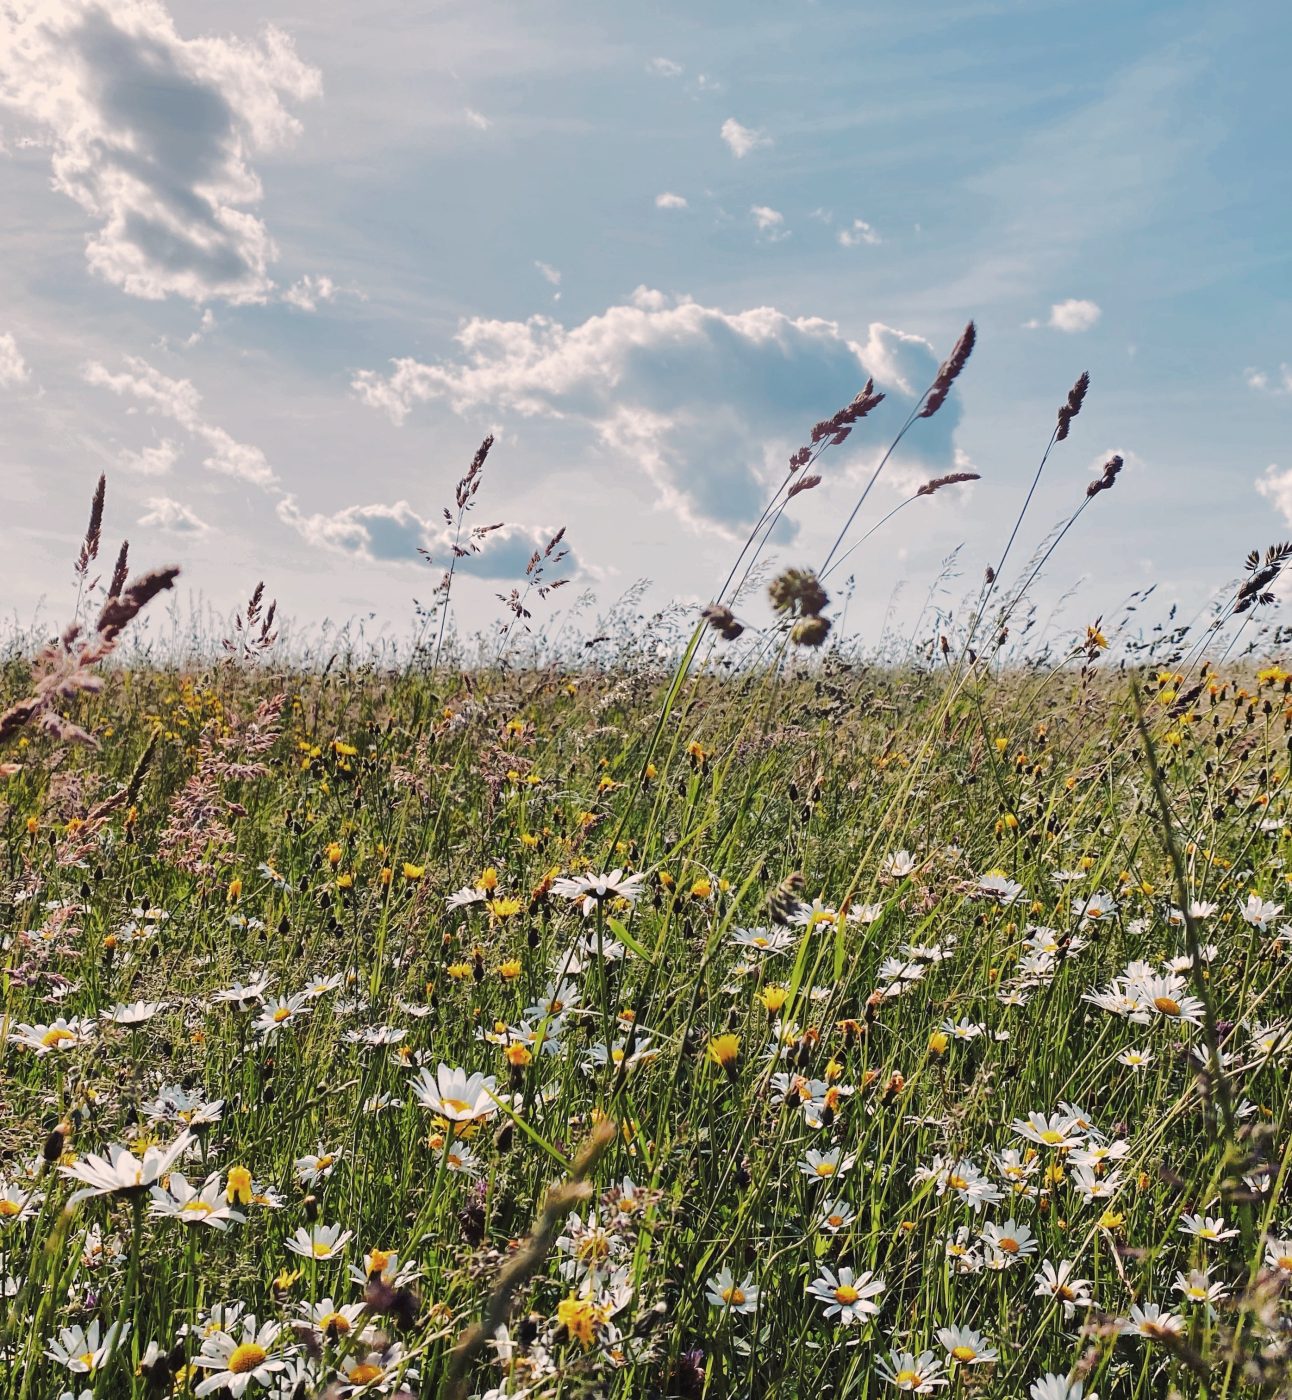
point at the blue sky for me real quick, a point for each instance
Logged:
(278, 268)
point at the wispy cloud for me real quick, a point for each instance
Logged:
(179, 401)
(172, 516)
(1270, 383)
(13, 368)
(857, 233)
(477, 119)
(550, 273)
(743, 139)
(769, 222)
(665, 68)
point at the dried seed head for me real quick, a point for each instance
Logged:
(798, 591)
(723, 621)
(810, 631)
(952, 479)
(1105, 482)
(804, 483)
(950, 371)
(1069, 410)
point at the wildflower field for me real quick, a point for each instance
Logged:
(759, 1022)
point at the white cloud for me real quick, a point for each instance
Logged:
(668, 200)
(477, 119)
(1276, 486)
(770, 222)
(179, 401)
(707, 404)
(153, 136)
(664, 68)
(172, 516)
(1073, 315)
(308, 291)
(1262, 380)
(742, 139)
(152, 461)
(395, 533)
(13, 368)
(552, 274)
(858, 233)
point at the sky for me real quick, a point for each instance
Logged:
(278, 268)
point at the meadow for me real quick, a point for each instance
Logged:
(741, 1017)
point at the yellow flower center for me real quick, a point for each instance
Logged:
(246, 1358)
(1050, 1136)
(834, 1220)
(10, 1208)
(52, 1039)
(364, 1373)
(282, 1014)
(324, 1162)
(825, 1169)
(1008, 1246)
(86, 1359)
(846, 1294)
(734, 1296)
(195, 1207)
(1168, 1006)
(457, 1105)
(906, 1378)
(334, 1322)
(957, 1183)
(963, 1353)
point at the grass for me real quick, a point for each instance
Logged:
(778, 1024)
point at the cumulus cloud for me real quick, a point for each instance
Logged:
(153, 136)
(707, 404)
(172, 516)
(1276, 486)
(1073, 315)
(179, 401)
(664, 68)
(395, 533)
(13, 368)
(858, 232)
(743, 139)
(668, 200)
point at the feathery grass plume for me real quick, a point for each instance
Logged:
(131, 601)
(253, 631)
(536, 581)
(62, 669)
(1256, 588)
(93, 531)
(1069, 410)
(951, 479)
(118, 581)
(464, 500)
(1104, 482)
(950, 371)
